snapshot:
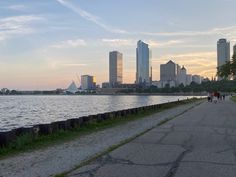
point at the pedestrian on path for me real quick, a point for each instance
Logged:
(215, 97)
(209, 97)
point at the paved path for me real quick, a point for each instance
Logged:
(64, 157)
(198, 143)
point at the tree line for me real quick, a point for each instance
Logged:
(228, 70)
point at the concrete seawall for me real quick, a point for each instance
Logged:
(45, 129)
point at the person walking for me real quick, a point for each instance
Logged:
(215, 97)
(209, 97)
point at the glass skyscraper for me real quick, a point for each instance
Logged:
(142, 64)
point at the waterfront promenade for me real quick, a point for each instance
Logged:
(199, 143)
(63, 157)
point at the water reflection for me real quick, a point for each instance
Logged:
(17, 111)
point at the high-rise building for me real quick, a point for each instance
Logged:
(88, 82)
(115, 68)
(182, 76)
(235, 49)
(223, 52)
(143, 64)
(168, 71)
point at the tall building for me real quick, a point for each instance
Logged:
(223, 52)
(182, 76)
(189, 79)
(143, 64)
(115, 68)
(88, 82)
(168, 71)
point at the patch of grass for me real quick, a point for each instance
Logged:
(233, 98)
(27, 142)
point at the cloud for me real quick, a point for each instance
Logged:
(90, 17)
(163, 44)
(229, 32)
(16, 25)
(225, 31)
(56, 65)
(132, 42)
(70, 44)
(17, 7)
(119, 42)
(74, 64)
(189, 55)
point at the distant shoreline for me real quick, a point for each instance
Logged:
(116, 94)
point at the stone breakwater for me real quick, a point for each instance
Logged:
(7, 137)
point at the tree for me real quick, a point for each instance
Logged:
(228, 70)
(233, 67)
(224, 71)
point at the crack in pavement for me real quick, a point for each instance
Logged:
(208, 162)
(175, 165)
(188, 148)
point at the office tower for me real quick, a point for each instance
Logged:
(182, 76)
(115, 68)
(88, 82)
(168, 71)
(189, 79)
(142, 64)
(223, 52)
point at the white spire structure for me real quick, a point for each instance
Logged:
(72, 89)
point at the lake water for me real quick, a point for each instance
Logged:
(19, 111)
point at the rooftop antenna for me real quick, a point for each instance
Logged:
(151, 75)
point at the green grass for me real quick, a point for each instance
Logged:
(27, 142)
(233, 98)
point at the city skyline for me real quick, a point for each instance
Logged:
(45, 44)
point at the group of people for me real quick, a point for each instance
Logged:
(215, 97)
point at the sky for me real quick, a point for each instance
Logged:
(48, 43)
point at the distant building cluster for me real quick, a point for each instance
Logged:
(143, 68)
(172, 75)
(88, 84)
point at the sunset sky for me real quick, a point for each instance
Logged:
(45, 44)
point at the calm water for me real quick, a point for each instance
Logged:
(18, 111)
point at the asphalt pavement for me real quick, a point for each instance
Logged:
(198, 143)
